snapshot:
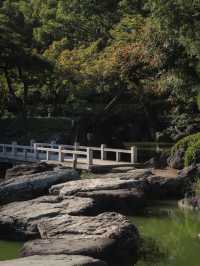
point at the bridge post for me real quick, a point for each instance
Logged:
(35, 151)
(25, 154)
(118, 156)
(53, 142)
(32, 142)
(76, 145)
(4, 149)
(103, 152)
(60, 154)
(89, 156)
(14, 143)
(134, 154)
(48, 156)
(74, 162)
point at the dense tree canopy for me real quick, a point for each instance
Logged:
(131, 66)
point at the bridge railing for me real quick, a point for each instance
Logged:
(103, 151)
(56, 152)
(13, 150)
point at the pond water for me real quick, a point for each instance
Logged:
(147, 150)
(171, 236)
(9, 249)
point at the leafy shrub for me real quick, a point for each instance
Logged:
(191, 147)
(186, 142)
(198, 101)
(192, 154)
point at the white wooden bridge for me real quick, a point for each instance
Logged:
(76, 156)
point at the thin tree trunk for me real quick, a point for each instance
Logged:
(9, 83)
(25, 93)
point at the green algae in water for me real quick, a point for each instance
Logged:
(9, 250)
(171, 236)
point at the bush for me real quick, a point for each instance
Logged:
(185, 142)
(191, 147)
(192, 154)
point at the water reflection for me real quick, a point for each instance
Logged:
(170, 236)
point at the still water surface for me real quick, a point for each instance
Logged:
(172, 236)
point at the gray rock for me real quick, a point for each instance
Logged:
(177, 159)
(87, 247)
(129, 174)
(28, 169)
(32, 186)
(126, 201)
(191, 172)
(105, 225)
(52, 260)
(20, 219)
(123, 169)
(117, 191)
(160, 187)
(151, 163)
(101, 248)
(110, 236)
(113, 192)
(107, 182)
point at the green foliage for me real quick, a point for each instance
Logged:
(192, 154)
(198, 101)
(186, 142)
(124, 63)
(191, 147)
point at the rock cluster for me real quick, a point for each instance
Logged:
(69, 221)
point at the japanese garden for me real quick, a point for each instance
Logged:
(99, 132)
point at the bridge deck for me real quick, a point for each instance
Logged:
(82, 163)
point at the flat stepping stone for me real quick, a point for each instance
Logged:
(108, 236)
(20, 219)
(52, 260)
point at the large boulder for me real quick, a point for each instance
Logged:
(108, 236)
(126, 192)
(32, 186)
(19, 220)
(126, 201)
(28, 169)
(167, 183)
(101, 248)
(160, 187)
(52, 260)
(176, 160)
(107, 182)
(112, 192)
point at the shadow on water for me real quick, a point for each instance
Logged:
(170, 236)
